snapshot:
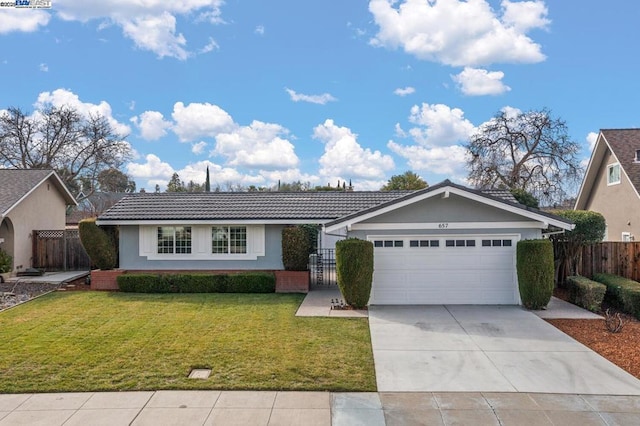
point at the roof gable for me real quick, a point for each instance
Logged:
(15, 185)
(623, 144)
(444, 189)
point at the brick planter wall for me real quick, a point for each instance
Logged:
(105, 280)
(292, 281)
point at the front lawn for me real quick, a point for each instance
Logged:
(91, 341)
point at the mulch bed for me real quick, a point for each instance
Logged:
(623, 348)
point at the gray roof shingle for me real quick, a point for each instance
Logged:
(624, 143)
(244, 205)
(15, 184)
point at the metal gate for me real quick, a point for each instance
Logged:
(322, 265)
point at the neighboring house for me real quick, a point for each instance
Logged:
(91, 206)
(611, 185)
(29, 200)
(446, 244)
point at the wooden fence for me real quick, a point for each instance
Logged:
(59, 250)
(612, 258)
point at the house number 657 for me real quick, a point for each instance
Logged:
(443, 225)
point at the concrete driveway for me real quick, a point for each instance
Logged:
(485, 349)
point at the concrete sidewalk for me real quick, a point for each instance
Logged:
(315, 408)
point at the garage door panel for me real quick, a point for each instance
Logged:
(473, 274)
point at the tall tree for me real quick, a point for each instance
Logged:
(77, 146)
(113, 180)
(408, 181)
(207, 183)
(529, 151)
(176, 184)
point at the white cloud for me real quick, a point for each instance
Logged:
(218, 175)
(480, 82)
(259, 30)
(343, 155)
(198, 120)
(440, 125)
(314, 99)
(151, 24)
(152, 169)
(592, 137)
(449, 161)
(258, 145)
(157, 34)
(198, 148)
(460, 33)
(404, 91)
(22, 20)
(62, 97)
(211, 46)
(151, 124)
(43, 67)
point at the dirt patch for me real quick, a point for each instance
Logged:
(623, 348)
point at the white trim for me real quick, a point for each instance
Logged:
(516, 235)
(149, 222)
(447, 226)
(628, 237)
(201, 244)
(609, 167)
(449, 189)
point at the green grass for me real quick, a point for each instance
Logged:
(94, 341)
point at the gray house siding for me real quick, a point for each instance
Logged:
(451, 209)
(130, 258)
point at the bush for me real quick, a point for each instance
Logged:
(143, 283)
(534, 262)
(6, 262)
(98, 244)
(248, 282)
(354, 267)
(295, 248)
(586, 293)
(621, 292)
(252, 282)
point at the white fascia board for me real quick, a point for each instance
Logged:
(449, 225)
(212, 222)
(452, 190)
(596, 153)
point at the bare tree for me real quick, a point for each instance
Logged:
(78, 147)
(528, 151)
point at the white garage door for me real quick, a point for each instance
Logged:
(460, 269)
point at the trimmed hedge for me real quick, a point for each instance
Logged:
(296, 246)
(586, 293)
(621, 292)
(246, 282)
(98, 243)
(534, 262)
(354, 267)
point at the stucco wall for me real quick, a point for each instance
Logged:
(451, 209)
(130, 258)
(44, 208)
(619, 203)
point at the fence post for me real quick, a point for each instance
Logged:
(64, 248)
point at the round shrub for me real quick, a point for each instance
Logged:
(534, 262)
(98, 244)
(354, 267)
(295, 248)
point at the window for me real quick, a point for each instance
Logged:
(460, 243)
(229, 239)
(174, 239)
(389, 243)
(424, 243)
(626, 237)
(637, 159)
(613, 174)
(497, 243)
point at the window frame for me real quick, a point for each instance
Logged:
(229, 239)
(178, 246)
(611, 167)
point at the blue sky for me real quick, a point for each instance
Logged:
(320, 91)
